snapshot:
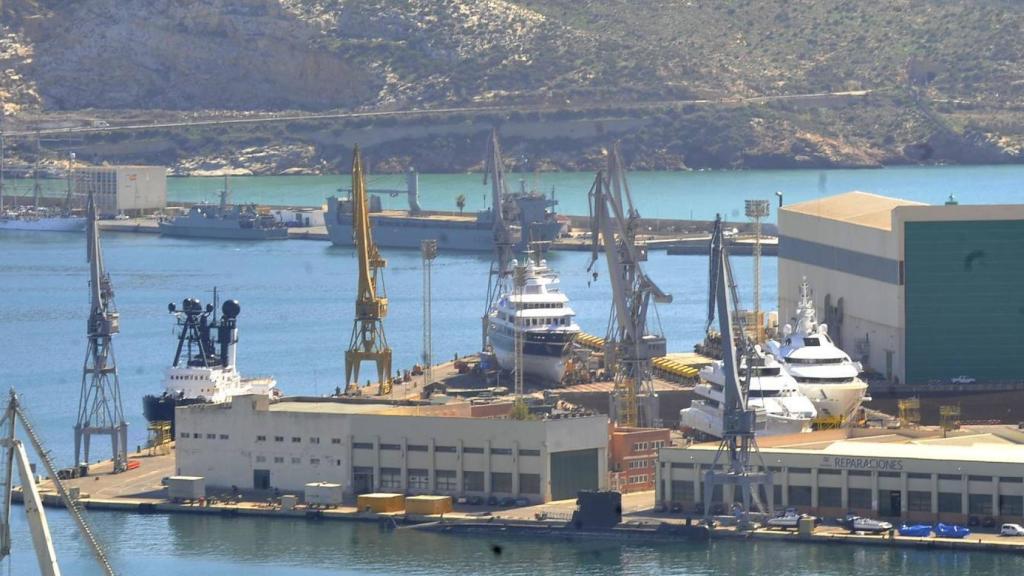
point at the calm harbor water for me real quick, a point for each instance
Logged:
(297, 306)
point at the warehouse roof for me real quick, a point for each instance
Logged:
(860, 208)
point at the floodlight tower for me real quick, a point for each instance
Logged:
(757, 209)
(428, 250)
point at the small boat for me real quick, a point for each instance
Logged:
(951, 531)
(855, 523)
(787, 520)
(916, 530)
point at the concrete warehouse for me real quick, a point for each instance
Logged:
(457, 449)
(131, 190)
(922, 295)
(915, 475)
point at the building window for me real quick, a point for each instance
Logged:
(640, 446)
(529, 483)
(859, 498)
(683, 466)
(641, 479)
(523, 452)
(1011, 506)
(211, 436)
(296, 460)
(184, 434)
(919, 501)
(799, 470)
(416, 448)
(390, 446)
(950, 502)
(798, 495)
(979, 504)
(261, 438)
(501, 482)
(314, 440)
(419, 479)
(473, 481)
(296, 440)
(501, 451)
(278, 459)
(919, 476)
(335, 440)
(1011, 479)
(888, 474)
(278, 438)
(314, 461)
(223, 436)
(829, 472)
(391, 478)
(472, 450)
(450, 449)
(956, 477)
(446, 481)
(830, 497)
(362, 446)
(858, 473)
(682, 491)
(974, 478)
(261, 459)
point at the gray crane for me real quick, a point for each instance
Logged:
(739, 442)
(630, 346)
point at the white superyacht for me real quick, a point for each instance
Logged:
(824, 373)
(542, 316)
(773, 395)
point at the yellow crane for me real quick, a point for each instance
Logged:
(368, 342)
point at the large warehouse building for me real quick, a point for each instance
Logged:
(920, 294)
(916, 475)
(131, 190)
(459, 450)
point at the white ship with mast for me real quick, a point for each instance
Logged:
(781, 407)
(541, 315)
(36, 217)
(824, 373)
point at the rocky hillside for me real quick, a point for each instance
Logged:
(945, 78)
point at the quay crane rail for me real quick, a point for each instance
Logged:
(739, 441)
(368, 341)
(15, 454)
(630, 345)
(100, 410)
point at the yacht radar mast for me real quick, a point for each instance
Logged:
(368, 342)
(738, 421)
(630, 345)
(99, 407)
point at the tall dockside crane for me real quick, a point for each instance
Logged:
(99, 407)
(505, 234)
(16, 455)
(630, 345)
(368, 342)
(739, 442)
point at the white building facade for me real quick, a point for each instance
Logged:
(251, 443)
(130, 190)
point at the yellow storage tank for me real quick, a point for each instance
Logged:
(427, 505)
(381, 503)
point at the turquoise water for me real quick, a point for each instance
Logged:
(698, 195)
(297, 307)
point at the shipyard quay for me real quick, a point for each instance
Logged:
(455, 449)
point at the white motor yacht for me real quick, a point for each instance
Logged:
(542, 316)
(824, 373)
(773, 395)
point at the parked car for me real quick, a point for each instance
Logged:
(1011, 530)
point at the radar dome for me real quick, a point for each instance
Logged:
(231, 308)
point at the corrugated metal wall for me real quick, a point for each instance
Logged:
(573, 471)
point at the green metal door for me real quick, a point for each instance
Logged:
(573, 471)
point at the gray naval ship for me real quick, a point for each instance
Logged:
(224, 221)
(533, 213)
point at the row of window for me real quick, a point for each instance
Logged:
(297, 439)
(199, 436)
(639, 479)
(648, 446)
(447, 480)
(449, 449)
(296, 460)
(639, 464)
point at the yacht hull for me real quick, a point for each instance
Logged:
(72, 224)
(842, 399)
(708, 421)
(543, 356)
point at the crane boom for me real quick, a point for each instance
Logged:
(368, 342)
